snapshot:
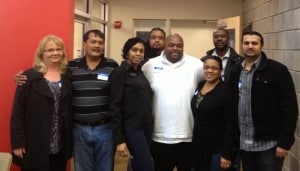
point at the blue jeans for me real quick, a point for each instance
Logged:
(261, 160)
(214, 163)
(138, 142)
(93, 148)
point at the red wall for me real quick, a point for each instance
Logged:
(22, 25)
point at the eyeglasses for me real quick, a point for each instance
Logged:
(52, 50)
(211, 68)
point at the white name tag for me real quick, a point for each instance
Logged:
(59, 84)
(240, 83)
(248, 142)
(158, 69)
(102, 76)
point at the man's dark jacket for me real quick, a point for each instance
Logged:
(273, 101)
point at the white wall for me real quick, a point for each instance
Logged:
(127, 10)
(197, 35)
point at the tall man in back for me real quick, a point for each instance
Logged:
(266, 107)
(222, 49)
(173, 77)
(229, 59)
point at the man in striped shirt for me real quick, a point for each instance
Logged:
(93, 143)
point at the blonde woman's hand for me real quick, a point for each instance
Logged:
(19, 152)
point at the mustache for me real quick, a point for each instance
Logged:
(97, 49)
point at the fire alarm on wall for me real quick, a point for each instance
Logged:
(118, 24)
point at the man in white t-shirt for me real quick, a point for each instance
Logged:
(173, 77)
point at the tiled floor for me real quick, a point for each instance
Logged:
(120, 163)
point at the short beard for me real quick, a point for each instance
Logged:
(222, 48)
(157, 49)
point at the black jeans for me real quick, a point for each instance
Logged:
(261, 160)
(168, 156)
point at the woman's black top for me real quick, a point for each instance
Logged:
(131, 100)
(213, 128)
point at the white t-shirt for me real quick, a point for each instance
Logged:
(173, 85)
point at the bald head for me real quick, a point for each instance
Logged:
(174, 36)
(174, 48)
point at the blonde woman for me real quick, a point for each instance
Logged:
(41, 121)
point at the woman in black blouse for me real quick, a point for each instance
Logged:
(213, 129)
(131, 107)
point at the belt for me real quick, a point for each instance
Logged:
(93, 123)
